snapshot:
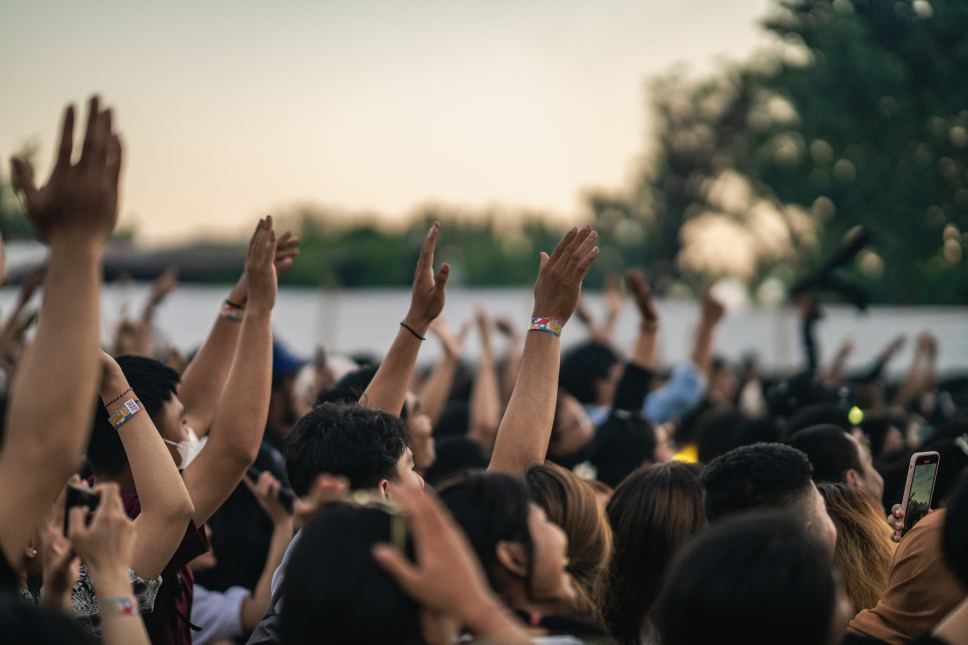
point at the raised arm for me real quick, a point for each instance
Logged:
(522, 439)
(243, 406)
(166, 507)
(163, 285)
(388, 389)
(710, 314)
(48, 418)
(637, 374)
(436, 389)
(204, 378)
(485, 404)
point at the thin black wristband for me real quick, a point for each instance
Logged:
(410, 329)
(232, 304)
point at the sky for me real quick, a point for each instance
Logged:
(230, 110)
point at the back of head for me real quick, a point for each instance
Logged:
(830, 450)
(828, 414)
(490, 508)
(25, 623)
(583, 365)
(349, 388)
(455, 456)
(622, 444)
(718, 433)
(154, 384)
(653, 512)
(955, 534)
(572, 504)
(761, 476)
(759, 579)
(334, 591)
(864, 549)
(359, 443)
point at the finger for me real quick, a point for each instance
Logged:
(77, 522)
(580, 251)
(102, 152)
(394, 563)
(66, 147)
(543, 259)
(586, 262)
(115, 157)
(24, 178)
(563, 244)
(90, 133)
(440, 280)
(110, 499)
(252, 487)
(426, 261)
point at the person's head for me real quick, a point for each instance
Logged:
(349, 388)
(25, 623)
(622, 444)
(572, 504)
(368, 447)
(335, 592)
(954, 536)
(864, 548)
(455, 456)
(830, 414)
(718, 433)
(590, 372)
(838, 456)
(884, 433)
(766, 476)
(522, 552)
(653, 512)
(572, 429)
(758, 579)
(155, 385)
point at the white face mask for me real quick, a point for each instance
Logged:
(188, 449)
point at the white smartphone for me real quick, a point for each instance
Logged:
(919, 488)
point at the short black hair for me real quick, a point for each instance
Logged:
(154, 384)
(830, 451)
(624, 442)
(455, 456)
(335, 592)
(349, 388)
(348, 439)
(583, 365)
(757, 579)
(818, 414)
(26, 622)
(761, 476)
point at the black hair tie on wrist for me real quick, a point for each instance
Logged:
(410, 329)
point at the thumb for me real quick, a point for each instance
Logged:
(393, 562)
(442, 275)
(23, 178)
(544, 259)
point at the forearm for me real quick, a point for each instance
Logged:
(485, 403)
(436, 389)
(702, 351)
(205, 376)
(490, 621)
(525, 430)
(255, 606)
(117, 629)
(388, 389)
(644, 349)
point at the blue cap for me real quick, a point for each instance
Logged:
(284, 362)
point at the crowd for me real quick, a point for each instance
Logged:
(242, 495)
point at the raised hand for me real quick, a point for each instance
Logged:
(287, 248)
(79, 203)
(163, 285)
(266, 493)
(452, 343)
(260, 268)
(639, 288)
(711, 309)
(427, 299)
(558, 286)
(61, 565)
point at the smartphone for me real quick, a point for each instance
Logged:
(78, 495)
(919, 488)
(285, 496)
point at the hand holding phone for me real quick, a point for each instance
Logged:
(80, 495)
(919, 487)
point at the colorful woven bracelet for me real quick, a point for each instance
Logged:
(232, 311)
(123, 414)
(111, 607)
(546, 324)
(117, 398)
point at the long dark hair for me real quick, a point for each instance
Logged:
(653, 512)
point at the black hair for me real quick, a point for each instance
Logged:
(830, 450)
(819, 414)
(349, 388)
(454, 421)
(348, 439)
(877, 426)
(717, 433)
(455, 455)
(583, 365)
(757, 579)
(491, 508)
(154, 383)
(25, 623)
(764, 475)
(954, 536)
(953, 463)
(624, 442)
(335, 592)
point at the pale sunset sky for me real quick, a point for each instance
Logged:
(233, 109)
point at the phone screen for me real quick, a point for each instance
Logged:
(919, 503)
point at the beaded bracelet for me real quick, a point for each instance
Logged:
(123, 414)
(546, 324)
(111, 607)
(118, 397)
(232, 311)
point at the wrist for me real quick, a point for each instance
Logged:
(83, 249)
(109, 580)
(255, 311)
(419, 324)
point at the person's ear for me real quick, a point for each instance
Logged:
(512, 557)
(853, 479)
(384, 488)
